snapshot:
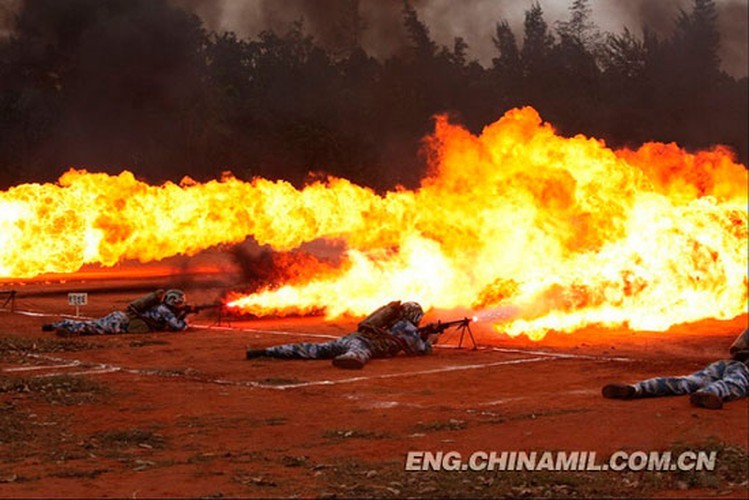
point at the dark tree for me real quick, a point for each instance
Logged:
(459, 55)
(507, 64)
(349, 28)
(418, 33)
(624, 55)
(696, 40)
(580, 27)
(572, 67)
(626, 88)
(537, 41)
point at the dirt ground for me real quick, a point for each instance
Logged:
(186, 415)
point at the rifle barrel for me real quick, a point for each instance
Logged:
(457, 322)
(200, 307)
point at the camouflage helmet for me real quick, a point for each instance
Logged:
(174, 298)
(412, 312)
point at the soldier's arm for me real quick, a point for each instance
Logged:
(173, 322)
(410, 334)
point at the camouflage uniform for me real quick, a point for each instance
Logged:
(115, 322)
(362, 346)
(728, 379)
(385, 333)
(723, 380)
(158, 317)
(162, 318)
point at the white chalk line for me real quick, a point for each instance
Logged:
(29, 313)
(48, 315)
(498, 402)
(94, 371)
(42, 367)
(561, 355)
(576, 392)
(102, 368)
(403, 374)
(272, 332)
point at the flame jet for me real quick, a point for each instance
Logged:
(564, 231)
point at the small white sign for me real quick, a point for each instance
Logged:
(77, 299)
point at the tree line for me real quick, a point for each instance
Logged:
(142, 85)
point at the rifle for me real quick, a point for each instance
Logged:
(200, 307)
(438, 328)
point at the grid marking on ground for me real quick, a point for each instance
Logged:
(104, 368)
(94, 368)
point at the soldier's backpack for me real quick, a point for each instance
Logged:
(383, 318)
(740, 348)
(146, 302)
(135, 310)
(376, 329)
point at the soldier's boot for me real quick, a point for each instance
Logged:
(706, 400)
(619, 391)
(348, 363)
(255, 353)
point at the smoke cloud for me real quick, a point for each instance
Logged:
(474, 20)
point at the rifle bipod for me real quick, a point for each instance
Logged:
(463, 328)
(221, 318)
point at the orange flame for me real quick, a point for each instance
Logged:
(535, 231)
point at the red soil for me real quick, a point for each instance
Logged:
(225, 424)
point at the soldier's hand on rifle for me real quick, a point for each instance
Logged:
(191, 309)
(432, 338)
(431, 330)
